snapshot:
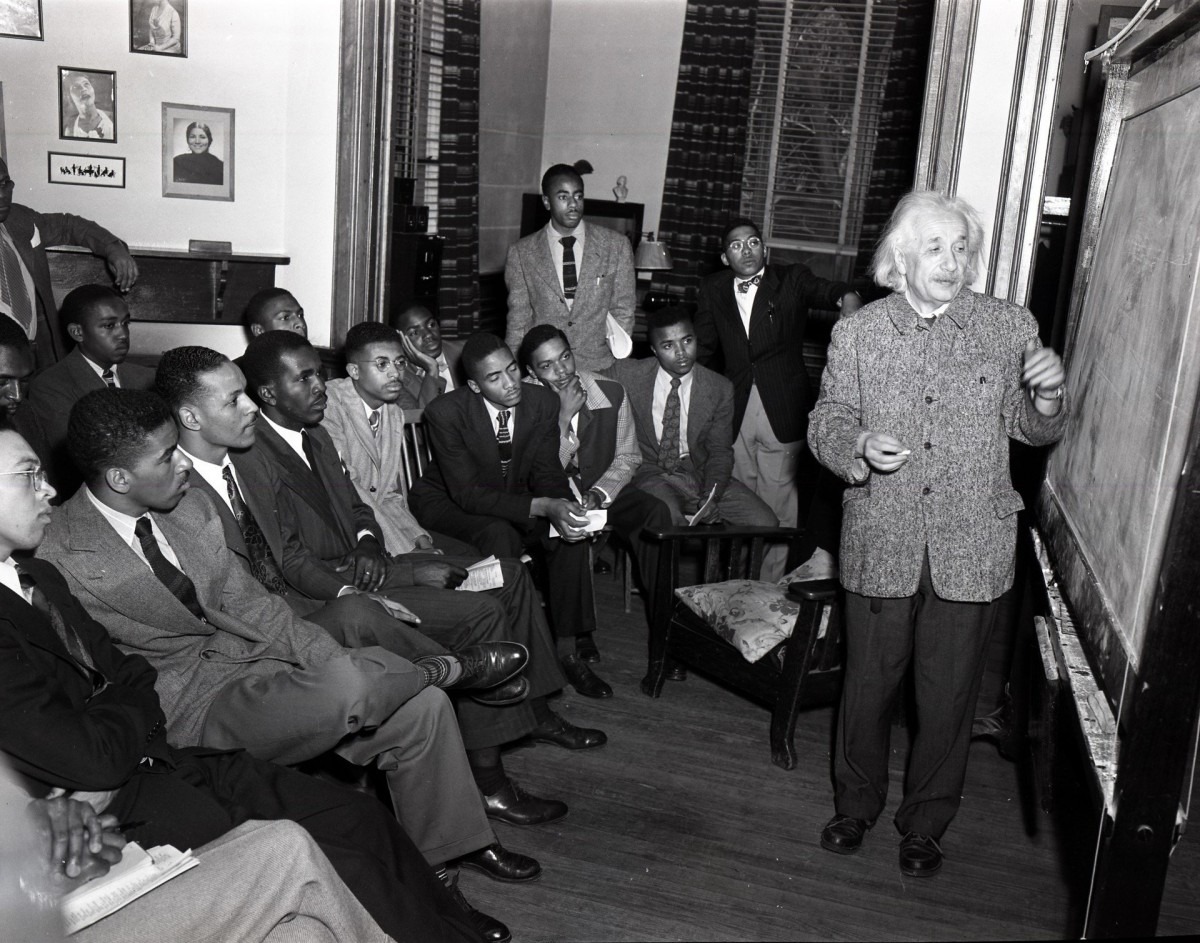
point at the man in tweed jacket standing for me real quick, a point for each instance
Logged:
(920, 395)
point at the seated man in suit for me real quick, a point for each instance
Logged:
(571, 275)
(96, 318)
(684, 418)
(274, 309)
(78, 715)
(598, 449)
(333, 544)
(497, 481)
(236, 667)
(436, 361)
(16, 367)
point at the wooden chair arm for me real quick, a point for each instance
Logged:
(813, 590)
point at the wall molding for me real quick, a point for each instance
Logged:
(947, 89)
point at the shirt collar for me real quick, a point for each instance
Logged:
(95, 366)
(292, 437)
(9, 577)
(738, 279)
(578, 232)
(121, 522)
(210, 472)
(662, 378)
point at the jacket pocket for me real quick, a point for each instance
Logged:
(855, 493)
(1007, 503)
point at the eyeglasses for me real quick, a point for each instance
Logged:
(382, 364)
(36, 476)
(752, 243)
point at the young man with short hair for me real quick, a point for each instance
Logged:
(432, 360)
(274, 309)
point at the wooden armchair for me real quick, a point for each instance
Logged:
(801, 671)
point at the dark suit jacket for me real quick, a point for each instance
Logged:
(710, 422)
(466, 458)
(32, 232)
(772, 357)
(42, 418)
(52, 727)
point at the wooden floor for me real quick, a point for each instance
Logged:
(681, 828)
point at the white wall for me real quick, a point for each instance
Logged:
(610, 93)
(274, 61)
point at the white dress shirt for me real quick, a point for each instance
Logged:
(124, 525)
(556, 254)
(445, 372)
(100, 370)
(10, 579)
(292, 437)
(745, 299)
(215, 475)
(494, 415)
(662, 389)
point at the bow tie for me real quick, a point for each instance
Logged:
(744, 287)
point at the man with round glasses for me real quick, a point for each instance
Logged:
(752, 316)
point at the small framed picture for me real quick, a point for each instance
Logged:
(86, 170)
(87, 104)
(158, 27)
(21, 19)
(198, 149)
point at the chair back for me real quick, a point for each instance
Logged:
(415, 454)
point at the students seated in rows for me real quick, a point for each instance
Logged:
(77, 714)
(274, 309)
(334, 544)
(598, 449)
(96, 318)
(684, 417)
(433, 363)
(236, 668)
(496, 480)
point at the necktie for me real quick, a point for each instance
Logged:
(569, 277)
(306, 444)
(109, 377)
(174, 579)
(262, 563)
(373, 421)
(504, 442)
(12, 286)
(668, 445)
(744, 287)
(66, 633)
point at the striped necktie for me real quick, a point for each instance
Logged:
(109, 378)
(569, 277)
(168, 574)
(373, 420)
(66, 633)
(504, 441)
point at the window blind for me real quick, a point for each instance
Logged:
(420, 44)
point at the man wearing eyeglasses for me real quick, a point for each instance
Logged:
(26, 294)
(751, 317)
(432, 362)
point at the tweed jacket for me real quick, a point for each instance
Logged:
(414, 395)
(951, 392)
(772, 357)
(246, 630)
(466, 458)
(31, 233)
(710, 422)
(375, 465)
(605, 286)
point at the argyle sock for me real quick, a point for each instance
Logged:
(440, 671)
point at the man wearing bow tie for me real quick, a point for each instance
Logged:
(754, 316)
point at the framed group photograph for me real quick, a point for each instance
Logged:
(198, 148)
(158, 27)
(21, 19)
(85, 170)
(87, 104)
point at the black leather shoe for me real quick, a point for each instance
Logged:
(489, 664)
(843, 834)
(562, 733)
(676, 673)
(920, 855)
(514, 805)
(512, 691)
(585, 648)
(583, 679)
(489, 928)
(500, 864)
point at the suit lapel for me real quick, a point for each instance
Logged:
(699, 409)
(542, 262)
(297, 476)
(82, 376)
(35, 628)
(762, 313)
(233, 532)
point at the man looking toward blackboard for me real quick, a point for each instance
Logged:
(920, 395)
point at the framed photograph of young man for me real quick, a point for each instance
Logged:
(87, 104)
(158, 27)
(21, 19)
(198, 149)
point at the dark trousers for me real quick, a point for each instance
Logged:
(208, 792)
(634, 511)
(945, 642)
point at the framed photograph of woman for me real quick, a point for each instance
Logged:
(21, 19)
(198, 149)
(87, 104)
(158, 27)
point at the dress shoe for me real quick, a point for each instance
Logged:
(514, 805)
(489, 664)
(585, 648)
(489, 928)
(512, 691)
(920, 855)
(843, 834)
(676, 673)
(583, 679)
(562, 733)
(500, 864)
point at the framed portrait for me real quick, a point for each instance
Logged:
(21, 19)
(158, 27)
(198, 150)
(87, 104)
(85, 170)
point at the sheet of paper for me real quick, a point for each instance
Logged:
(484, 575)
(596, 521)
(137, 873)
(700, 510)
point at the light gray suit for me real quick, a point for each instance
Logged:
(252, 675)
(605, 286)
